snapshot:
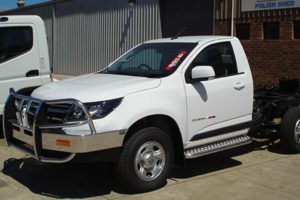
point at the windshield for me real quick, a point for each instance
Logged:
(151, 60)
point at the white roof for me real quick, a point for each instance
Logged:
(22, 19)
(190, 39)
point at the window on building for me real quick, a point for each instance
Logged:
(14, 41)
(243, 31)
(296, 29)
(271, 30)
(131, 2)
(220, 56)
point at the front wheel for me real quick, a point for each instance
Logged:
(290, 130)
(146, 160)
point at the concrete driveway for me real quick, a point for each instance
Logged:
(256, 171)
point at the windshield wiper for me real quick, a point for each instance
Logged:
(123, 73)
(155, 75)
(127, 73)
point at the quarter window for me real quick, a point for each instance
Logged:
(14, 41)
(220, 56)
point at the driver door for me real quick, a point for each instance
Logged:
(220, 102)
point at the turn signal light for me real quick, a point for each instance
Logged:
(63, 143)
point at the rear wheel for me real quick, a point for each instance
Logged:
(146, 160)
(290, 130)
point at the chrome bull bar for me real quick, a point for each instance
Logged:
(21, 120)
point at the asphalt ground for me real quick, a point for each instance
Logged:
(261, 170)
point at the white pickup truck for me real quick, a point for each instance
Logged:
(161, 102)
(24, 58)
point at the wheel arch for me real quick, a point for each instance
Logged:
(168, 125)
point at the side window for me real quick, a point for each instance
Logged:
(220, 56)
(14, 41)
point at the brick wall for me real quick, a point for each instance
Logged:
(269, 59)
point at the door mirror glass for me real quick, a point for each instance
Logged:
(202, 72)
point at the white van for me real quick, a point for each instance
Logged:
(24, 57)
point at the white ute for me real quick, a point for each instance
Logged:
(24, 59)
(161, 102)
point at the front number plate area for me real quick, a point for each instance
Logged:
(22, 136)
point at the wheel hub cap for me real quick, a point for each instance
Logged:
(150, 160)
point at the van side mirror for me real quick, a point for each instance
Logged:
(202, 72)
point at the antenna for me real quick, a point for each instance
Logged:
(178, 34)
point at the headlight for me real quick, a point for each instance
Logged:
(100, 109)
(75, 114)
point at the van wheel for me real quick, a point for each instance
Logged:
(290, 130)
(146, 160)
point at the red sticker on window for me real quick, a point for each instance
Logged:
(175, 61)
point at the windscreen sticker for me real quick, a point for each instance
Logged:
(175, 61)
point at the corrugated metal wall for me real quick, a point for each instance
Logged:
(87, 35)
(90, 34)
(223, 12)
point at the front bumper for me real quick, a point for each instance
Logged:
(26, 129)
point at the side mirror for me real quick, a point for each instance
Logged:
(202, 72)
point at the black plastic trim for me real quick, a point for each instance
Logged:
(27, 91)
(221, 131)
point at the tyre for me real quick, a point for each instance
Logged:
(146, 160)
(290, 130)
(1, 128)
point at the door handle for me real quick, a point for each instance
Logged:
(32, 73)
(239, 86)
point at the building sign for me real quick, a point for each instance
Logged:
(256, 5)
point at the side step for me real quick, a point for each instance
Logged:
(206, 149)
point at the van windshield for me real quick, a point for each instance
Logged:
(151, 60)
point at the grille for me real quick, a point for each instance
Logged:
(26, 111)
(61, 114)
(54, 114)
(26, 118)
(57, 114)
